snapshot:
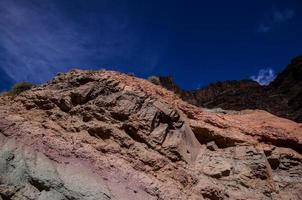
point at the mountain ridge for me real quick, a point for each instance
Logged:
(282, 97)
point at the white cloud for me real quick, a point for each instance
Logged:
(265, 76)
(275, 18)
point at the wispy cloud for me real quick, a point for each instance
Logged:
(33, 38)
(265, 76)
(274, 19)
(37, 40)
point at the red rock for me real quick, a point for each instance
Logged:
(127, 138)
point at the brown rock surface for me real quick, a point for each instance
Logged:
(106, 135)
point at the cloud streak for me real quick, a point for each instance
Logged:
(275, 19)
(265, 76)
(33, 39)
(37, 40)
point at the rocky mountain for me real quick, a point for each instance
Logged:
(101, 135)
(283, 97)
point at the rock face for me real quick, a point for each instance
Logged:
(107, 135)
(282, 97)
(26, 174)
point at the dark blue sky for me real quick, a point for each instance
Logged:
(196, 42)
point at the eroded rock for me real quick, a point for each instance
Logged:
(106, 135)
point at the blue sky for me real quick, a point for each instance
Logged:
(196, 42)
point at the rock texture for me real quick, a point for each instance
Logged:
(106, 135)
(282, 97)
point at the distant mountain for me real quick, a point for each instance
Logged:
(283, 97)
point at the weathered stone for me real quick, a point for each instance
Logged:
(217, 169)
(159, 133)
(65, 104)
(212, 146)
(81, 94)
(53, 195)
(107, 135)
(34, 176)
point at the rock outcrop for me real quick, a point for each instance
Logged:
(282, 97)
(106, 135)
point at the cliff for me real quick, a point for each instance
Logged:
(95, 135)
